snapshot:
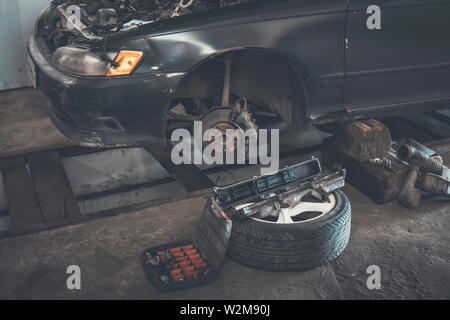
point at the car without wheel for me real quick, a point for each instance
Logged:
(125, 72)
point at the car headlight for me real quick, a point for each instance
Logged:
(82, 62)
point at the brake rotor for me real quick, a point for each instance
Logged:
(219, 119)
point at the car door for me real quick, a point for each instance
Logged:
(405, 63)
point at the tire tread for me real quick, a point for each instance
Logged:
(256, 245)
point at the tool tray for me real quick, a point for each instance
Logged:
(189, 268)
(195, 262)
(250, 190)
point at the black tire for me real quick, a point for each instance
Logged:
(292, 247)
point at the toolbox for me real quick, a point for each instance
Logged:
(191, 263)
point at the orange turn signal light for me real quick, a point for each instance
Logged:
(127, 60)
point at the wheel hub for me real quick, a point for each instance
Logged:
(227, 137)
(307, 206)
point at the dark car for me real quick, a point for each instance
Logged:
(122, 73)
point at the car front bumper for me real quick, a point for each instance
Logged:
(104, 111)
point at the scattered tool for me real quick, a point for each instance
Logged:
(426, 173)
(183, 4)
(288, 196)
(384, 163)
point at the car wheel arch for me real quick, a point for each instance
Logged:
(255, 71)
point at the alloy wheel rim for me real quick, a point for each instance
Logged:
(303, 211)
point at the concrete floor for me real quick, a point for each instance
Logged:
(410, 246)
(25, 125)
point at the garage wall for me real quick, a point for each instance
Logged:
(17, 19)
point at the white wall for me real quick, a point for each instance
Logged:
(17, 18)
